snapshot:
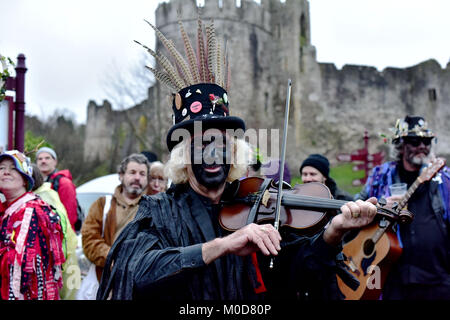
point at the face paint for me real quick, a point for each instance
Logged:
(210, 158)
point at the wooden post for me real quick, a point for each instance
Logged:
(20, 103)
(366, 159)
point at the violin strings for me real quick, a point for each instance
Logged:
(313, 202)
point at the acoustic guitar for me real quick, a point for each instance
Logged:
(375, 248)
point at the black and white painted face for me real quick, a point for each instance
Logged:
(210, 158)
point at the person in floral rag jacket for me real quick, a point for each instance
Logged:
(31, 253)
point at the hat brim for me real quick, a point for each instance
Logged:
(413, 135)
(30, 180)
(229, 122)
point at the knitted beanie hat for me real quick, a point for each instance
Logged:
(319, 162)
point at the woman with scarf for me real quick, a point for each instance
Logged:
(31, 253)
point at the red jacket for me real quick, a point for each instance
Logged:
(67, 194)
(31, 254)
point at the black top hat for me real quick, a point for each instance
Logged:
(411, 126)
(204, 102)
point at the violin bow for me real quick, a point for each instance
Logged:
(283, 157)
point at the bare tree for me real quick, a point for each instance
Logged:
(126, 88)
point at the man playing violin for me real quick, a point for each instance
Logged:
(423, 270)
(176, 249)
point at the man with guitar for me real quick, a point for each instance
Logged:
(423, 269)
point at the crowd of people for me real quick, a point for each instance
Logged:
(181, 244)
(161, 234)
(38, 238)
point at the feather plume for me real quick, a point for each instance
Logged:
(209, 65)
(211, 46)
(219, 78)
(167, 65)
(189, 53)
(227, 70)
(201, 53)
(164, 78)
(228, 81)
(179, 60)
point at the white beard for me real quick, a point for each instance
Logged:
(419, 161)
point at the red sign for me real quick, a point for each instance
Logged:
(344, 157)
(362, 155)
(358, 155)
(376, 158)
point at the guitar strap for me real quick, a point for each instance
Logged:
(342, 271)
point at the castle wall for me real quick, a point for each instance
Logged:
(359, 98)
(268, 44)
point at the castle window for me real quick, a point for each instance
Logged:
(432, 94)
(266, 102)
(303, 40)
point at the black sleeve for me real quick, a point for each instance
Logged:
(305, 269)
(164, 269)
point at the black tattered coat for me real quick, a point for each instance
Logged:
(158, 255)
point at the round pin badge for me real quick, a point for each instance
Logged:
(178, 101)
(196, 106)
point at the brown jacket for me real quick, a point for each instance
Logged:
(95, 246)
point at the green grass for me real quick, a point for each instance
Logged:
(343, 174)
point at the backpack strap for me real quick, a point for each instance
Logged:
(106, 208)
(55, 182)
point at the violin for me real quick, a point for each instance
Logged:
(306, 207)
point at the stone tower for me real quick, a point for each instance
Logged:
(268, 43)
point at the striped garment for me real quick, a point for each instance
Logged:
(31, 253)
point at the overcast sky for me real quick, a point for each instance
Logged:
(70, 44)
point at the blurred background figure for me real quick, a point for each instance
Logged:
(158, 181)
(71, 271)
(271, 169)
(316, 168)
(31, 254)
(61, 181)
(151, 156)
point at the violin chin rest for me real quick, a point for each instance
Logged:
(231, 190)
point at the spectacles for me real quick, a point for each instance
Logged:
(415, 142)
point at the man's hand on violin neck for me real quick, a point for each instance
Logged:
(353, 215)
(249, 239)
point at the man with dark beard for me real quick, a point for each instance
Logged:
(98, 235)
(423, 270)
(176, 247)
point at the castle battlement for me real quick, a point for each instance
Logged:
(249, 12)
(263, 16)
